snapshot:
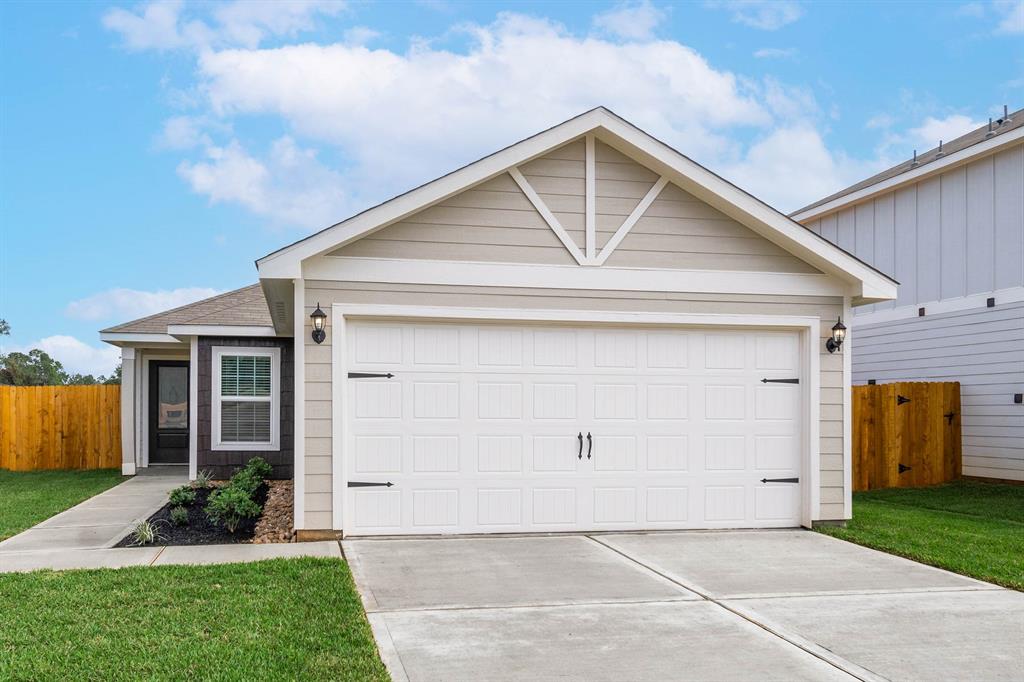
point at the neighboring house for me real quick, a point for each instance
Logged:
(585, 330)
(949, 226)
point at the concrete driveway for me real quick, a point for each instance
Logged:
(750, 605)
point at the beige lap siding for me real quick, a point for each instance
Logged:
(495, 222)
(318, 358)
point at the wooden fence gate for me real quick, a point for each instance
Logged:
(906, 434)
(60, 427)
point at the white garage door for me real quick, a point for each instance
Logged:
(500, 429)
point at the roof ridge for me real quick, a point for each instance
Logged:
(178, 308)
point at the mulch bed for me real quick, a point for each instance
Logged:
(200, 530)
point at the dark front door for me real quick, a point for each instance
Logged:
(168, 412)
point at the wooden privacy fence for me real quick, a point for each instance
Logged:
(906, 434)
(60, 427)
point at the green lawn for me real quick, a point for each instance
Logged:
(284, 619)
(972, 528)
(29, 497)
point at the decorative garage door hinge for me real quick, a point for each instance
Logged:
(780, 381)
(780, 480)
(368, 484)
(369, 375)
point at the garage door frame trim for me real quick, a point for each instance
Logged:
(808, 327)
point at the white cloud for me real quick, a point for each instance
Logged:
(630, 20)
(76, 356)
(792, 166)
(1008, 14)
(170, 24)
(775, 53)
(183, 132)
(767, 15)
(290, 186)
(129, 304)
(931, 130)
(1011, 14)
(402, 119)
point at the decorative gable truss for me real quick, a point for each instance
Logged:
(590, 252)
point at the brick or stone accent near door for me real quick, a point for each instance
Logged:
(222, 463)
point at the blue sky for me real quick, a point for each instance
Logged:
(149, 153)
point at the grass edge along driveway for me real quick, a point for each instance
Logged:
(968, 527)
(269, 620)
(31, 497)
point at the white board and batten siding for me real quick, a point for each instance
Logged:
(982, 348)
(952, 241)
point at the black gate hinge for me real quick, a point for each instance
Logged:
(369, 375)
(903, 467)
(780, 381)
(900, 400)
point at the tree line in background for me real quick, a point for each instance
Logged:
(37, 368)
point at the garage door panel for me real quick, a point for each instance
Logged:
(725, 401)
(478, 428)
(667, 401)
(615, 401)
(435, 454)
(776, 502)
(499, 348)
(381, 454)
(778, 402)
(668, 350)
(556, 453)
(613, 453)
(555, 507)
(668, 453)
(499, 453)
(555, 348)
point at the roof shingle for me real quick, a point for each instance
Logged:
(241, 307)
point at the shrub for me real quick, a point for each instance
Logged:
(231, 505)
(246, 481)
(204, 480)
(259, 467)
(145, 533)
(179, 516)
(182, 496)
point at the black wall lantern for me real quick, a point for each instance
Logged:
(319, 318)
(838, 336)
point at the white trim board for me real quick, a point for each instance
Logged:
(468, 273)
(143, 403)
(925, 170)
(118, 338)
(217, 399)
(949, 305)
(618, 133)
(219, 330)
(810, 390)
(299, 404)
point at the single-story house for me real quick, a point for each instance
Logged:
(949, 225)
(583, 331)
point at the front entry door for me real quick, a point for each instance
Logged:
(168, 412)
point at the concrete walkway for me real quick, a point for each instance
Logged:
(745, 605)
(103, 520)
(84, 536)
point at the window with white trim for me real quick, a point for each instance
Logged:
(246, 405)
